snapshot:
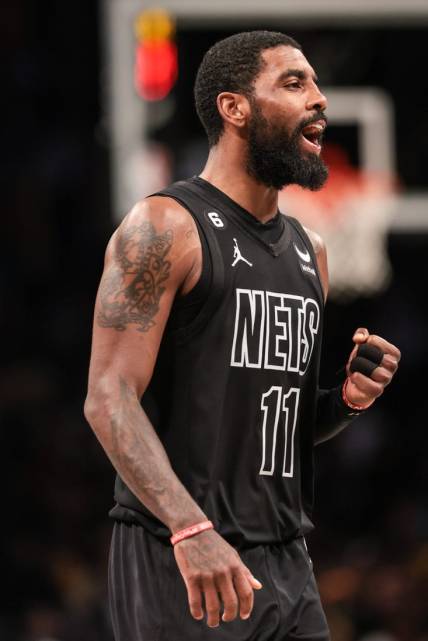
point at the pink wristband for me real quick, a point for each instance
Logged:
(191, 531)
(347, 402)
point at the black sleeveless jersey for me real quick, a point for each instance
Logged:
(233, 394)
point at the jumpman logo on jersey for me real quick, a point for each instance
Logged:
(237, 256)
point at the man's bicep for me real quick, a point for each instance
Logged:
(141, 276)
(135, 277)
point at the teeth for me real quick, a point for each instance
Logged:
(315, 127)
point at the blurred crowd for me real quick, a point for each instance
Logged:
(370, 546)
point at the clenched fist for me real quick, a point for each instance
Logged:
(381, 363)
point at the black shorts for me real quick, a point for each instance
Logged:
(148, 598)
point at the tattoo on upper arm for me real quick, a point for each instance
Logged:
(131, 288)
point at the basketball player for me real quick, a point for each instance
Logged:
(203, 386)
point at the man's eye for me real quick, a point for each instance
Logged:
(294, 85)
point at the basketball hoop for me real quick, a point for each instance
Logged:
(352, 214)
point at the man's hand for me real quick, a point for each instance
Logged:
(215, 576)
(362, 389)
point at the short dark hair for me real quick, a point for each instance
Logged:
(232, 64)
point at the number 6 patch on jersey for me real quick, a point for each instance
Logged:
(216, 220)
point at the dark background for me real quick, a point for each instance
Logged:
(370, 546)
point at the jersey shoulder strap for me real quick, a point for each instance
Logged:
(197, 203)
(303, 236)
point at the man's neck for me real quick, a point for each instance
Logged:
(226, 171)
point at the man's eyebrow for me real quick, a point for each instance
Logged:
(297, 73)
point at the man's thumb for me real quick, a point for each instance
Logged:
(360, 335)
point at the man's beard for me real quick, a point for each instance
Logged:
(275, 158)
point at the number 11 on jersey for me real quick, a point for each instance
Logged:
(279, 425)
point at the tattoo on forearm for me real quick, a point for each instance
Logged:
(131, 289)
(141, 460)
(131, 448)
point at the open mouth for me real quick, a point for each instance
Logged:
(312, 135)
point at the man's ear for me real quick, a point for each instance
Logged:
(234, 108)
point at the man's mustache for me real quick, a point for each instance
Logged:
(319, 116)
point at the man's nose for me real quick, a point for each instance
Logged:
(317, 101)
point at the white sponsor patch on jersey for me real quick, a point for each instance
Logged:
(307, 270)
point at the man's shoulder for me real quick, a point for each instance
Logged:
(157, 229)
(316, 240)
(159, 210)
(321, 255)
